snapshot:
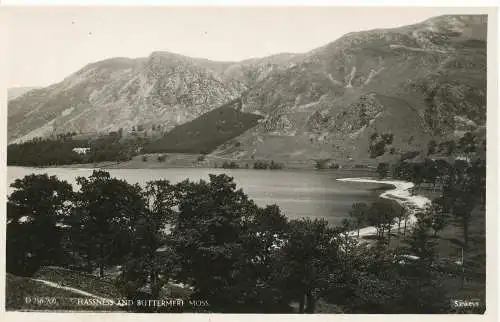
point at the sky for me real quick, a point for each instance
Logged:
(46, 44)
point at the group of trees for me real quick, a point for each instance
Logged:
(258, 165)
(263, 165)
(382, 215)
(208, 234)
(325, 164)
(462, 185)
(58, 151)
(378, 143)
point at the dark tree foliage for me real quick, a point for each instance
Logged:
(359, 215)
(230, 165)
(383, 170)
(382, 215)
(307, 259)
(58, 151)
(377, 149)
(214, 228)
(467, 143)
(263, 165)
(34, 209)
(151, 260)
(431, 148)
(387, 138)
(107, 209)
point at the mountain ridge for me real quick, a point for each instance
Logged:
(326, 102)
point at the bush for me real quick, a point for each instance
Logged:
(201, 158)
(321, 164)
(144, 158)
(230, 165)
(275, 166)
(334, 166)
(260, 165)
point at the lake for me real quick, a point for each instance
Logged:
(312, 194)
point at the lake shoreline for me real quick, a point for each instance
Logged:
(400, 193)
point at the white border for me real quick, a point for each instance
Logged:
(492, 170)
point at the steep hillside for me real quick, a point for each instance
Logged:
(416, 82)
(166, 89)
(251, 71)
(207, 132)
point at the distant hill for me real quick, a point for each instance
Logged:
(15, 92)
(206, 132)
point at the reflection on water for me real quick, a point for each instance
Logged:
(313, 194)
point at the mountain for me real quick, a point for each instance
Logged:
(413, 83)
(164, 88)
(15, 92)
(367, 96)
(252, 71)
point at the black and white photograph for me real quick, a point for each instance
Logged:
(246, 159)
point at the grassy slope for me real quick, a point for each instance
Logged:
(18, 289)
(206, 132)
(85, 282)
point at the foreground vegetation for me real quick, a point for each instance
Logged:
(235, 255)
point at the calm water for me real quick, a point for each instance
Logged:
(313, 194)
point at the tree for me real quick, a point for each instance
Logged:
(402, 215)
(381, 215)
(431, 148)
(467, 143)
(35, 210)
(463, 204)
(387, 138)
(420, 243)
(448, 147)
(209, 236)
(358, 214)
(151, 260)
(321, 164)
(438, 215)
(417, 174)
(308, 256)
(382, 170)
(107, 208)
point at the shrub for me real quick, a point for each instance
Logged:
(275, 166)
(230, 165)
(260, 165)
